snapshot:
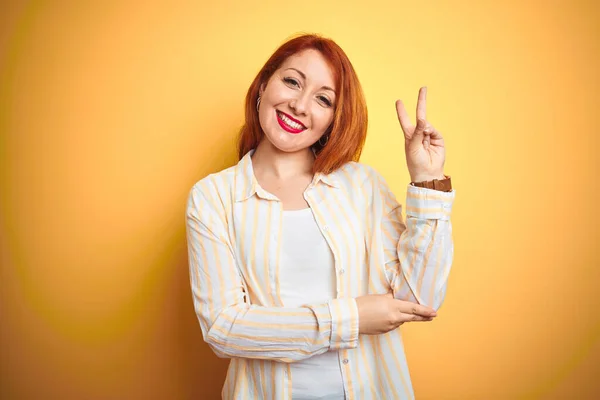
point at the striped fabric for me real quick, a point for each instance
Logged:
(233, 229)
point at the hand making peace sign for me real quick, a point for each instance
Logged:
(423, 144)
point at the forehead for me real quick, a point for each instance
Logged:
(312, 63)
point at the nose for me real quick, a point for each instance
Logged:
(300, 103)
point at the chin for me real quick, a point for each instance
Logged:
(288, 143)
(288, 148)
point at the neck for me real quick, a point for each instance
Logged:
(268, 160)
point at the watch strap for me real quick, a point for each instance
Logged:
(443, 185)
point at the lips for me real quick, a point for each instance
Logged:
(289, 124)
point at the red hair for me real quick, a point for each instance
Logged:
(347, 132)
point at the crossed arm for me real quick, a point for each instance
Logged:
(416, 256)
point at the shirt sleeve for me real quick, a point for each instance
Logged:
(418, 253)
(234, 328)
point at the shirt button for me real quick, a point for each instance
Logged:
(326, 228)
(342, 271)
(345, 361)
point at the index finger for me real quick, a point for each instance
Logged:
(417, 309)
(403, 116)
(422, 103)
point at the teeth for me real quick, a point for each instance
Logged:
(291, 123)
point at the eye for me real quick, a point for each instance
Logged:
(325, 100)
(291, 81)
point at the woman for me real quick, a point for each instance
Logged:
(301, 266)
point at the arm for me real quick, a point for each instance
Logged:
(234, 328)
(418, 254)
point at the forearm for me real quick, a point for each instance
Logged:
(421, 249)
(425, 254)
(280, 333)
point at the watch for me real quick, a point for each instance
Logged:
(443, 185)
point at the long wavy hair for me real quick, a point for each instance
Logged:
(347, 132)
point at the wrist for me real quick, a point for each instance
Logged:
(425, 178)
(444, 184)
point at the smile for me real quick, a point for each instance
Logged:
(289, 124)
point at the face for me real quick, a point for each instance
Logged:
(297, 103)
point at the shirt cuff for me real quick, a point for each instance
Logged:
(424, 203)
(344, 324)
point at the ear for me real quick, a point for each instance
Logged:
(261, 89)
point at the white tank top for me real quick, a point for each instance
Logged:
(307, 276)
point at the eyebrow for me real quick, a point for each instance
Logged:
(304, 77)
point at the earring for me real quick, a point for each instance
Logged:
(326, 140)
(257, 102)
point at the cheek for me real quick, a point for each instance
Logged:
(326, 119)
(278, 92)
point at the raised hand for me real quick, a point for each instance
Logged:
(423, 144)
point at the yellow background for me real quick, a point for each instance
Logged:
(111, 111)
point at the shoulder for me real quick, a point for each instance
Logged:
(213, 189)
(221, 180)
(355, 174)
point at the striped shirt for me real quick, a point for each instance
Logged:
(233, 231)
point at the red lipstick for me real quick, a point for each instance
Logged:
(286, 127)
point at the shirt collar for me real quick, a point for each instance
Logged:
(245, 181)
(246, 185)
(329, 179)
